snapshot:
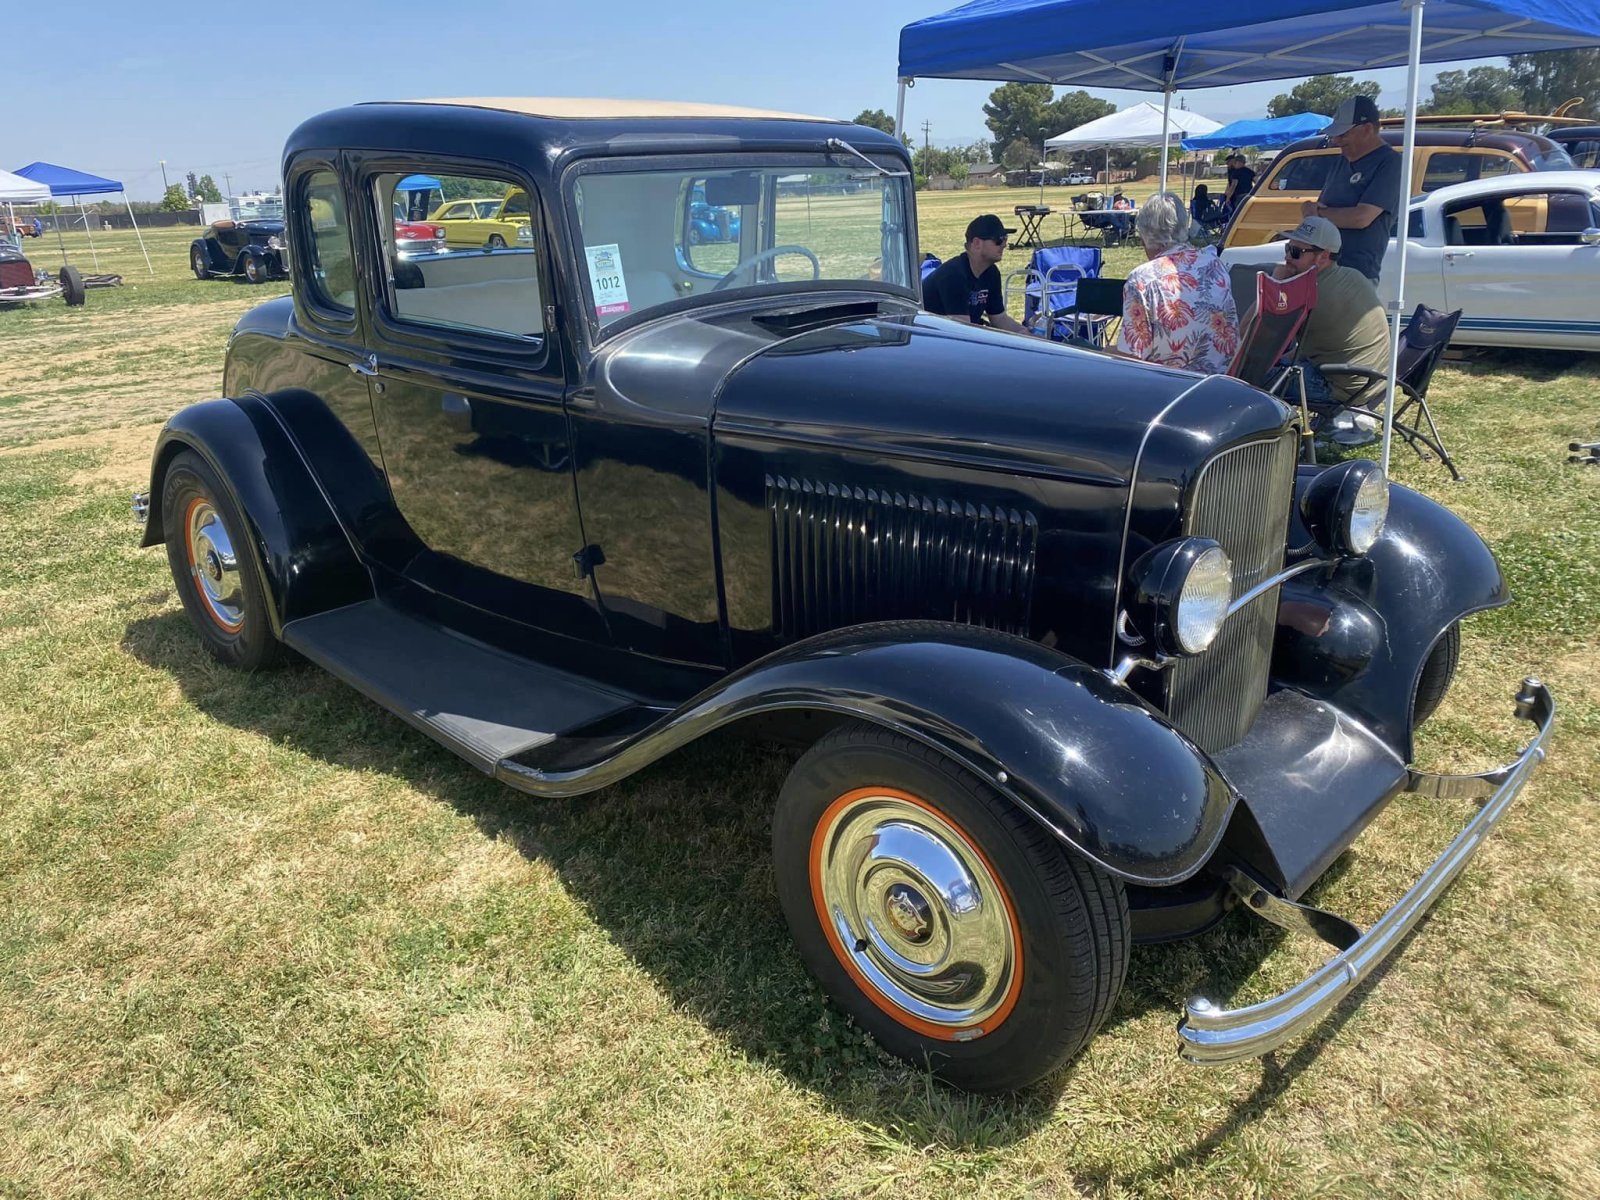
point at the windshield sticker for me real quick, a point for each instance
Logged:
(606, 278)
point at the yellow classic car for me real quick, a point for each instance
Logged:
(487, 222)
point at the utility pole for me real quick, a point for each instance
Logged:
(926, 128)
(163, 177)
(227, 182)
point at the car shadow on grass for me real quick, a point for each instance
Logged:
(675, 863)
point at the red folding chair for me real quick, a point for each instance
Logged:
(1270, 334)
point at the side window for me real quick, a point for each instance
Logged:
(1303, 173)
(1445, 168)
(1490, 165)
(475, 274)
(331, 275)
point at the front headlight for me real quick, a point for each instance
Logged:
(1203, 602)
(1179, 594)
(1346, 506)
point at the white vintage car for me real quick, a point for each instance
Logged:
(1513, 288)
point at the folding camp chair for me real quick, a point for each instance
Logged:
(1096, 305)
(1422, 344)
(1268, 340)
(930, 264)
(1050, 287)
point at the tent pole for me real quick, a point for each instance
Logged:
(55, 219)
(140, 236)
(1166, 106)
(899, 111)
(83, 215)
(1402, 220)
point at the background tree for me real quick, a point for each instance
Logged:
(191, 185)
(1029, 112)
(876, 118)
(1546, 80)
(1320, 94)
(175, 200)
(976, 152)
(208, 191)
(1018, 155)
(1480, 90)
(931, 161)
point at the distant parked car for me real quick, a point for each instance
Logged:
(1076, 177)
(709, 222)
(506, 223)
(255, 249)
(480, 208)
(417, 237)
(1517, 254)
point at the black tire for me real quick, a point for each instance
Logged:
(694, 235)
(1438, 673)
(72, 289)
(236, 629)
(199, 264)
(255, 269)
(495, 242)
(1062, 921)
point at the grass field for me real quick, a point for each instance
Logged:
(258, 938)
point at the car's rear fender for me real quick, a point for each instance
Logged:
(294, 538)
(1091, 762)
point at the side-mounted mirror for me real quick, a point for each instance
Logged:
(1590, 236)
(729, 191)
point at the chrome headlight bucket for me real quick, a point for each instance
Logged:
(1179, 595)
(1346, 506)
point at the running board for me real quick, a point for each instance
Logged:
(478, 701)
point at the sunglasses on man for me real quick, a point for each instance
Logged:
(1296, 253)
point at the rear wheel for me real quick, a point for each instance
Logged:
(198, 264)
(946, 922)
(212, 567)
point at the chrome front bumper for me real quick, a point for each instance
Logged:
(1209, 1033)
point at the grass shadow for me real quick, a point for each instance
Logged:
(675, 864)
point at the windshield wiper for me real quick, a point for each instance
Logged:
(841, 144)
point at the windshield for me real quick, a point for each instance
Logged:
(652, 236)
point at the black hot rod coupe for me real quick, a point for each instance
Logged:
(1084, 656)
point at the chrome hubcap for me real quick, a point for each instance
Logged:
(214, 566)
(918, 912)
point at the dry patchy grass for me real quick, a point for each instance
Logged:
(258, 938)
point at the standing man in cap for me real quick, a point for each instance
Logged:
(1240, 180)
(1362, 194)
(1347, 325)
(967, 287)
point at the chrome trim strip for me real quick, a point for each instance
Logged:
(1209, 1033)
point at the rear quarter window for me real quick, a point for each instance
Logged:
(1303, 173)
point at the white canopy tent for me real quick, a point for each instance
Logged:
(1142, 125)
(14, 189)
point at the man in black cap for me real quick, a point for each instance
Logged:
(967, 287)
(1240, 180)
(1362, 194)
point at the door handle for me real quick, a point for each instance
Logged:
(1458, 253)
(366, 366)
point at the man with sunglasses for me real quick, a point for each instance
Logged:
(967, 287)
(1346, 326)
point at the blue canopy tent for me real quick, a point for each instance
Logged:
(1274, 131)
(1218, 43)
(65, 182)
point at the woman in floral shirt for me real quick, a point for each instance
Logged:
(1177, 309)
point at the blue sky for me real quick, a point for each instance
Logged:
(215, 89)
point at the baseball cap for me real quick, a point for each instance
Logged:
(1315, 231)
(1358, 110)
(988, 228)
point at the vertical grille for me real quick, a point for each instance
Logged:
(1241, 499)
(842, 555)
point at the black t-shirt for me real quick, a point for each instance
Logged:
(1374, 178)
(1244, 179)
(952, 290)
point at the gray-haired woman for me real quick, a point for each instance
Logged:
(1177, 308)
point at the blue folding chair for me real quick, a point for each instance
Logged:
(1050, 287)
(930, 264)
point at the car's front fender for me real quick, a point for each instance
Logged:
(1090, 761)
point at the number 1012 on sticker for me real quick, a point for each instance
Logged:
(607, 280)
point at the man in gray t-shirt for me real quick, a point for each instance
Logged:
(1362, 193)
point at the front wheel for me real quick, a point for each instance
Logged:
(255, 269)
(1437, 674)
(212, 567)
(949, 924)
(495, 242)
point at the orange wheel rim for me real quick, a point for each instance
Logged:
(916, 914)
(213, 565)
